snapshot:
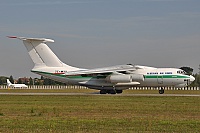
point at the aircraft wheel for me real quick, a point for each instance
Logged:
(103, 92)
(108, 91)
(112, 92)
(161, 91)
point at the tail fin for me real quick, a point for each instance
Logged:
(8, 82)
(41, 54)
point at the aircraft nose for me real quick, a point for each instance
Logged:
(191, 78)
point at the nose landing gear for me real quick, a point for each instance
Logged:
(161, 91)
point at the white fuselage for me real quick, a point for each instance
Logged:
(18, 85)
(153, 77)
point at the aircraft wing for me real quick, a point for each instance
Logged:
(104, 70)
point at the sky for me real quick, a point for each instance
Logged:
(101, 33)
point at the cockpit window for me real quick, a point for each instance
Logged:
(181, 72)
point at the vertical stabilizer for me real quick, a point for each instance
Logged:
(8, 82)
(41, 54)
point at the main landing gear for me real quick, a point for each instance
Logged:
(161, 90)
(110, 91)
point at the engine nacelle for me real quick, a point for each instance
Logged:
(125, 78)
(137, 77)
(119, 78)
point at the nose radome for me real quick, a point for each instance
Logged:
(191, 78)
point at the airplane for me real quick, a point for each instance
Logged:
(9, 84)
(109, 80)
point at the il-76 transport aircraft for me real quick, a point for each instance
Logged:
(111, 80)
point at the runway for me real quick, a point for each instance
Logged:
(97, 94)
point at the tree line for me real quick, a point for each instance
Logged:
(29, 81)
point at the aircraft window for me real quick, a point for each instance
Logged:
(181, 72)
(184, 72)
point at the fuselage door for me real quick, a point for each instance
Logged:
(160, 79)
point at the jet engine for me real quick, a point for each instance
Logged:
(137, 77)
(122, 78)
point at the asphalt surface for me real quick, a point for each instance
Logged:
(97, 94)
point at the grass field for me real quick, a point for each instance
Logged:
(99, 113)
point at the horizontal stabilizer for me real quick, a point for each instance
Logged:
(31, 39)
